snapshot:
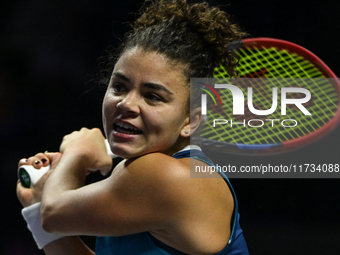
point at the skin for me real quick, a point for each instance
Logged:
(151, 96)
(189, 214)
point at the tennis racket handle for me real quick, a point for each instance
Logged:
(28, 175)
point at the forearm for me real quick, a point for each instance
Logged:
(70, 245)
(68, 176)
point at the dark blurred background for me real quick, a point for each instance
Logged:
(48, 60)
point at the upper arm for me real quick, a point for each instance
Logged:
(138, 196)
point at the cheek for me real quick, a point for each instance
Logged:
(170, 121)
(153, 119)
(156, 122)
(108, 107)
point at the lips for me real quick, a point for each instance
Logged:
(126, 128)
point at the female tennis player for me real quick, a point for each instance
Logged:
(148, 204)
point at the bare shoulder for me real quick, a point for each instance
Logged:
(156, 165)
(169, 175)
(159, 176)
(195, 213)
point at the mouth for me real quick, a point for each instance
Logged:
(126, 128)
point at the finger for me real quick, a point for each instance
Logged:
(19, 186)
(43, 159)
(23, 194)
(19, 189)
(35, 162)
(24, 161)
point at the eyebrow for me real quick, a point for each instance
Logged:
(146, 84)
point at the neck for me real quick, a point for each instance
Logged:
(179, 145)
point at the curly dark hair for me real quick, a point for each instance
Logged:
(195, 35)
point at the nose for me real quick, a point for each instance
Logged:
(130, 104)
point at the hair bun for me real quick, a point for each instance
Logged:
(212, 26)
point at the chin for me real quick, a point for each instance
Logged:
(126, 153)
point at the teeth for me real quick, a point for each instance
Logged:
(125, 131)
(126, 126)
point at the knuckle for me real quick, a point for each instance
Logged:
(97, 130)
(39, 155)
(32, 159)
(22, 161)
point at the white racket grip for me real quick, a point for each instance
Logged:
(28, 175)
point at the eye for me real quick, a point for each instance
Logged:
(153, 97)
(118, 87)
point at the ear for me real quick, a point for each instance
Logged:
(193, 122)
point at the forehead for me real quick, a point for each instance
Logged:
(150, 67)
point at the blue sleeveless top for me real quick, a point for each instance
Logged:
(145, 244)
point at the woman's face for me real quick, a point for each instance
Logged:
(144, 108)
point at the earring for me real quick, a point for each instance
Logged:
(186, 132)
